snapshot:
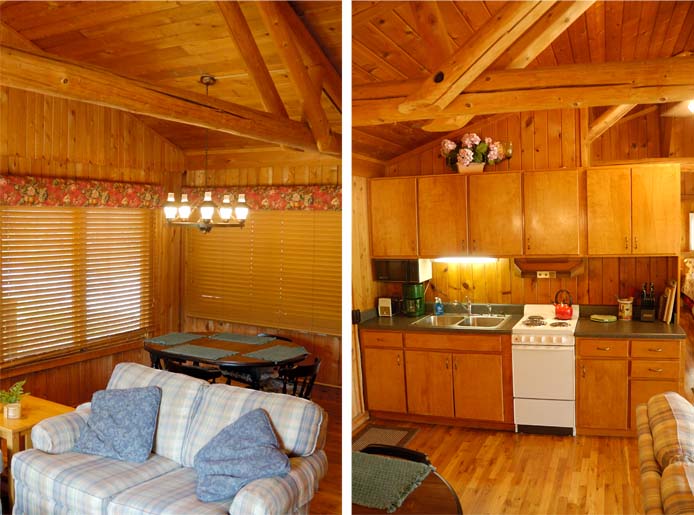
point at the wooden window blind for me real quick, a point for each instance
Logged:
(72, 278)
(282, 270)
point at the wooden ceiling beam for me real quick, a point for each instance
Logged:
(431, 28)
(332, 82)
(310, 96)
(568, 86)
(607, 120)
(468, 62)
(55, 76)
(240, 32)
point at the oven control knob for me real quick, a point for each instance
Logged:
(531, 339)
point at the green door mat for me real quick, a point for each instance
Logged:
(384, 483)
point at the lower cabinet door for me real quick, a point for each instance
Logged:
(644, 389)
(478, 386)
(429, 383)
(384, 375)
(602, 393)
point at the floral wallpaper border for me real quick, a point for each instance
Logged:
(56, 192)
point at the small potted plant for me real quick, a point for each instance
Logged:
(471, 153)
(10, 399)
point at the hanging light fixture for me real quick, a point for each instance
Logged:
(230, 215)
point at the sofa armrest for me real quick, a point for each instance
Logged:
(282, 495)
(59, 434)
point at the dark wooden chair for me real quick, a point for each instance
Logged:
(295, 380)
(209, 374)
(243, 374)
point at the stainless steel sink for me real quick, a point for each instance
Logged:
(439, 321)
(462, 321)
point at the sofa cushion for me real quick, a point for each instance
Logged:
(677, 488)
(671, 420)
(180, 396)
(298, 423)
(83, 483)
(121, 424)
(241, 452)
(173, 493)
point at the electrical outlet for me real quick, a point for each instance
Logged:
(546, 275)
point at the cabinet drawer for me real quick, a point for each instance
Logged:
(655, 349)
(381, 339)
(603, 348)
(657, 369)
(453, 342)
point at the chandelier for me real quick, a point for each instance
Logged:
(229, 215)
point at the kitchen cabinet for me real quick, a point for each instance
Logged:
(551, 212)
(429, 383)
(393, 217)
(613, 376)
(633, 210)
(383, 366)
(478, 386)
(442, 215)
(495, 217)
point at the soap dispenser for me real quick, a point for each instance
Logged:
(438, 306)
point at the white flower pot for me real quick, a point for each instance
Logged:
(12, 410)
(471, 168)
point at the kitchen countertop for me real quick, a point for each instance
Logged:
(403, 323)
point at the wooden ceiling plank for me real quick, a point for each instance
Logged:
(469, 62)
(679, 16)
(630, 26)
(363, 16)
(540, 36)
(607, 120)
(312, 50)
(245, 43)
(649, 14)
(614, 13)
(595, 20)
(638, 114)
(448, 124)
(578, 36)
(662, 26)
(10, 37)
(684, 35)
(315, 114)
(60, 77)
(431, 27)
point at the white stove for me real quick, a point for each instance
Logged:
(539, 327)
(543, 371)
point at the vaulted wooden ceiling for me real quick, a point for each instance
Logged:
(494, 57)
(286, 65)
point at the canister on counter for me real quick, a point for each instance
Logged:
(625, 308)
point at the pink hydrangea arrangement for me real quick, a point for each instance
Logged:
(473, 149)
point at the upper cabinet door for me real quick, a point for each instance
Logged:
(552, 212)
(496, 216)
(442, 212)
(393, 210)
(655, 209)
(609, 210)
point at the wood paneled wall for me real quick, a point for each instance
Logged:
(681, 141)
(541, 140)
(633, 138)
(53, 137)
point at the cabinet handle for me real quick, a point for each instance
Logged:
(659, 349)
(604, 348)
(462, 244)
(528, 240)
(455, 365)
(636, 243)
(380, 340)
(626, 243)
(446, 363)
(474, 244)
(398, 359)
(655, 370)
(583, 371)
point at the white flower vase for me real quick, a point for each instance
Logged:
(471, 168)
(12, 410)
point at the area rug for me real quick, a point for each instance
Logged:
(385, 435)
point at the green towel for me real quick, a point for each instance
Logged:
(277, 353)
(384, 483)
(243, 338)
(197, 351)
(173, 338)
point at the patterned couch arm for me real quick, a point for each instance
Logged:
(283, 495)
(59, 434)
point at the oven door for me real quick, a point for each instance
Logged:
(543, 372)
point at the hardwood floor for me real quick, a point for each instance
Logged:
(328, 499)
(506, 473)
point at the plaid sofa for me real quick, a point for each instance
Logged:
(50, 479)
(665, 427)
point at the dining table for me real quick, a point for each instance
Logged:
(247, 354)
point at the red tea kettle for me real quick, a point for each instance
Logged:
(562, 310)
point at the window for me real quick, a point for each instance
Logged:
(282, 270)
(72, 279)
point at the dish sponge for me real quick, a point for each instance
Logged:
(603, 318)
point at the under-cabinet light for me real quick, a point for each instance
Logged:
(466, 260)
(690, 106)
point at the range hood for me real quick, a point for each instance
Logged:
(548, 268)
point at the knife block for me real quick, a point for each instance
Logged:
(647, 315)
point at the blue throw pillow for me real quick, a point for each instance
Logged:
(121, 424)
(245, 450)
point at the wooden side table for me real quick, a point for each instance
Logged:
(17, 432)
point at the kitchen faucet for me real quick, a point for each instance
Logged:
(489, 309)
(468, 305)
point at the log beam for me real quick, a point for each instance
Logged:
(467, 63)
(52, 75)
(431, 28)
(240, 32)
(607, 120)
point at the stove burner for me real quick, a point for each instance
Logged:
(559, 324)
(536, 317)
(534, 322)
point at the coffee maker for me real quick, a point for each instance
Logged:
(413, 299)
